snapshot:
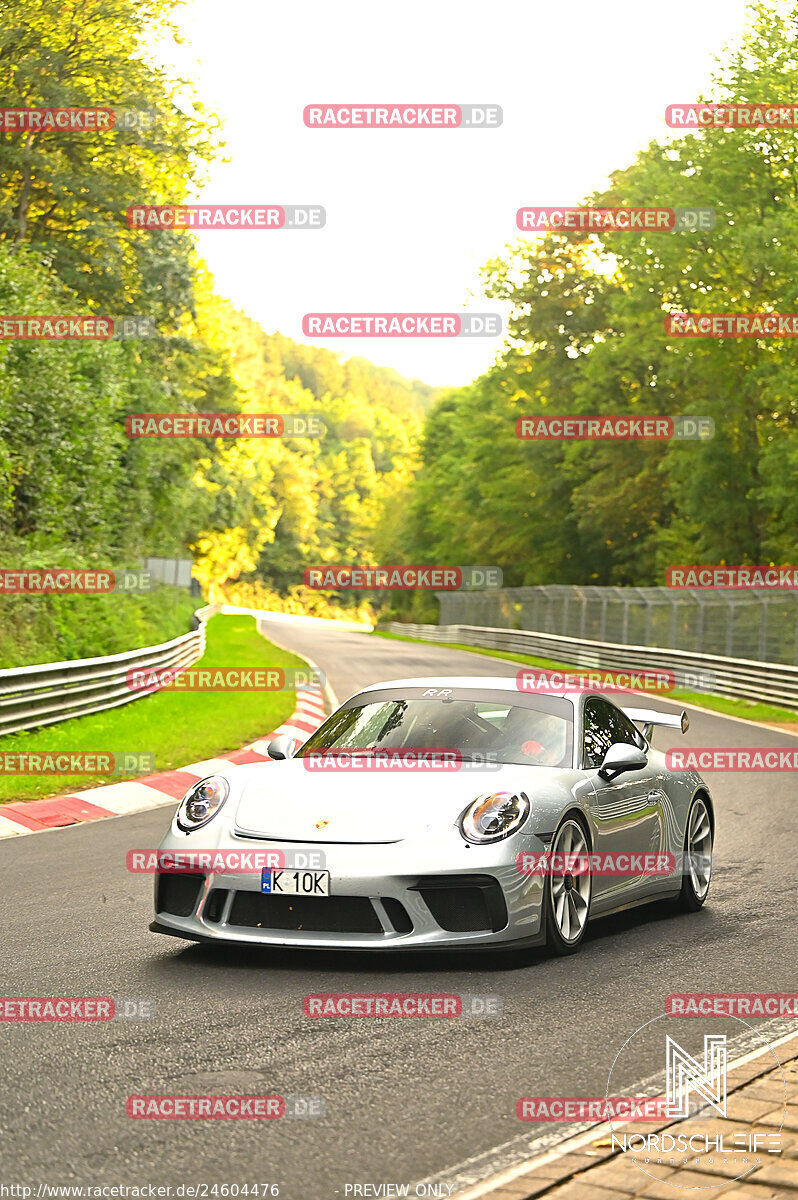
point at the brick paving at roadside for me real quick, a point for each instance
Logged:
(596, 1172)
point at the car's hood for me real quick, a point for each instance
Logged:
(288, 801)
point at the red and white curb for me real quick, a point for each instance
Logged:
(134, 795)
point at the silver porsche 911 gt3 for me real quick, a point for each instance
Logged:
(458, 813)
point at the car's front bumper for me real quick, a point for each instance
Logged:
(397, 896)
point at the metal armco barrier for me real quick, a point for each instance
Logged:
(740, 678)
(753, 622)
(50, 692)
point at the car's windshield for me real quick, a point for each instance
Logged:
(492, 727)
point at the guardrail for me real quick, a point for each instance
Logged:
(50, 692)
(738, 678)
(754, 622)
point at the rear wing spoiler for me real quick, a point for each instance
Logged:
(649, 717)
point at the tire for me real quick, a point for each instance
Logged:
(567, 896)
(698, 840)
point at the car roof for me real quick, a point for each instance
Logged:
(487, 683)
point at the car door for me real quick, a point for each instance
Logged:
(627, 812)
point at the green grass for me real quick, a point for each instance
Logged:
(178, 727)
(54, 628)
(750, 710)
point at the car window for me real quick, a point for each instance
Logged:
(624, 729)
(523, 730)
(605, 724)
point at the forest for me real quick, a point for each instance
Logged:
(405, 473)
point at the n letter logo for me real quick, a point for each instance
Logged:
(686, 1073)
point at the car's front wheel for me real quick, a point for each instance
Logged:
(697, 869)
(567, 892)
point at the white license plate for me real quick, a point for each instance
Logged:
(295, 883)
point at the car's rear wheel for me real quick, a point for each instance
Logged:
(697, 870)
(567, 893)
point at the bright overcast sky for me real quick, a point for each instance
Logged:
(413, 215)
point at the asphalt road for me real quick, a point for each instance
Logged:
(405, 1099)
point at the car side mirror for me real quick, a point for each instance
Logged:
(622, 757)
(284, 746)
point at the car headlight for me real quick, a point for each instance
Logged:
(491, 818)
(202, 802)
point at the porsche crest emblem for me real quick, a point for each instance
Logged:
(322, 824)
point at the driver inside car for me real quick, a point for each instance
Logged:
(539, 736)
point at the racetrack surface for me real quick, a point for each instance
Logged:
(405, 1099)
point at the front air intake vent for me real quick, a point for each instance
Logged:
(464, 903)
